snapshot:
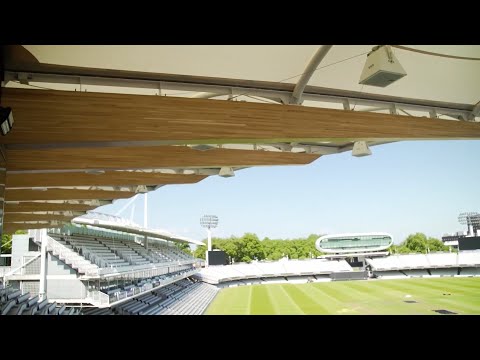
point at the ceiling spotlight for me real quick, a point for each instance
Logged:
(360, 148)
(6, 120)
(202, 147)
(95, 172)
(226, 172)
(381, 68)
(141, 189)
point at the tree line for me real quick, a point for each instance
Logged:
(249, 247)
(419, 243)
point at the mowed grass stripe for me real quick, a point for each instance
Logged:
(375, 300)
(446, 284)
(429, 292)
(331, 298)
(368, 298)
(364, 297)
(249, 300)
(462, 300)
(343, 291)
(231, 301)
(260, 303)
(434, 290)
(394, 298)
(465, 283)
(282, 301)
(308, 304)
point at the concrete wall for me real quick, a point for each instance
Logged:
(65, 289)
(19, 248)
(62, 280)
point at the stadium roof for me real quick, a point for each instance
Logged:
(116, 223)
(90, 126)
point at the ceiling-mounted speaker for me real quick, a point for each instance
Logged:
(381, 68)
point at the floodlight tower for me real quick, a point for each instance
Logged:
(209, 222)
(472, 220)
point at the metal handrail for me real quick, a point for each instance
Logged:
(11, 272)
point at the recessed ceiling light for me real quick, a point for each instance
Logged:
(203, 147)
(95, 172)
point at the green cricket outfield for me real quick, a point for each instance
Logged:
(402, 296)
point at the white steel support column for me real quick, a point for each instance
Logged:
(209, 222)
(3, 175)
(307, 74)
(209, 245)
(145, 216)
(145, 212)
(43, 263)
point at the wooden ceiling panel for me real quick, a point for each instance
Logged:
(64, 194)
(18, 217)
(146, 157)
(109, 178)
(42, 206)
(50, 116)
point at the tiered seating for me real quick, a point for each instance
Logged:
(147, 254)
(118, 292)
(95, 251)
(125, 252)
(68, 254)
(442, 260)
(184, 297)
(170, 253)
(98, 311)
(13, 302)
(217, 274)
(415, 261)
(390, 275)
(387, 263)
(271, 268)
(469, 258)
(307, 267)
(395, 262)
(416, 273)
(105, 252)
(470, 271)
(426, 261)
(444, 272)
(192, 300)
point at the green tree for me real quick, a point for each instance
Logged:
(416, 243)
(251, 248)
(200, 251)
(436, 245)
(419, 243)
(7, 241)
(185, 247)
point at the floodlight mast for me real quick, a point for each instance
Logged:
(209, 222)
(472, 220)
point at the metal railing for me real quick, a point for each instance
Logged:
(98, 298)
(12, 272)
(70, 256)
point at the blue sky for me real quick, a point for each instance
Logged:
(402, 188)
